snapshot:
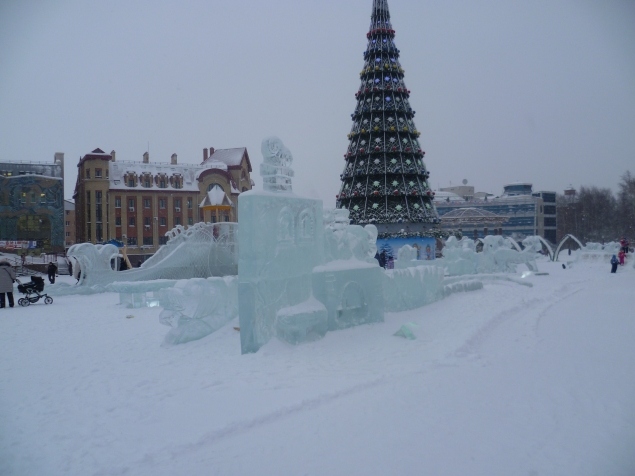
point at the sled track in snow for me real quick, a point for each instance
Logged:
(240, 427)
(483, 333)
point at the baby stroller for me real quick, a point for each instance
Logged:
(32, 292)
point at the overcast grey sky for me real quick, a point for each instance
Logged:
(529, 90)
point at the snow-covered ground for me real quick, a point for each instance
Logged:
(508, 380)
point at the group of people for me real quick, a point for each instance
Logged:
(385, 261)
(621, 256)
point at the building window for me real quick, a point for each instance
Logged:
(68, 233)
(106, 173)
(132, 241)
(147, 241)
(162, 184)
(226, 217)
(131, 204)
(177, 220)
(117, 202)
(97, 173)
(190, 221)
(131, 182)
(131, 221)
(189, 203)
(146, 203)
(87, 173)
(177, 183)
(163, 240)
(146, 184)
(162, 203)
(177, 203)
(68, 223)
(162, 221)
(68, 212)
(117, 221)
(146, 221)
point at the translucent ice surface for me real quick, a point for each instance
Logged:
(301, 270)
(194, 308)
(198, 251)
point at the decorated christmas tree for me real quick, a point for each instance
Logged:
(385, 180)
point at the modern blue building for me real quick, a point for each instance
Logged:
(530, 213)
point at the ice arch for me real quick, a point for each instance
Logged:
(548, 246)
(562, 242)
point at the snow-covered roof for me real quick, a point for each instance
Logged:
(120, 168)
(98, 151)
(216, 197)
(230, 157)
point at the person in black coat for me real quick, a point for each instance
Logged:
(382, 259)
(51, 271)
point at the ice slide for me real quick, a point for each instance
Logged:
(198, 251)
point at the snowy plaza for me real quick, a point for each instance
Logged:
(334, 304)
(510, 379)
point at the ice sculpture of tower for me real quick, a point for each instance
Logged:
(301, 271)
(385, 181)
(281, 240)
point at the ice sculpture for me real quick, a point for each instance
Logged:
(459, 256)
(198, 251)
(598, 251)
(343, 241)
(407, 257)
(298, 277)
(195, 308)
(498, 256)
(94, 261)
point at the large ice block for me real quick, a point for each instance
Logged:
(195, 308)
(351, 291)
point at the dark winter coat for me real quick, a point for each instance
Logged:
(382, 259)
(7, 277)
(52, 269)
(614, 260)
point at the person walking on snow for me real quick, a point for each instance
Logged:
(614, 263)
(620, 256)
(51, 270)
(7, 278)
